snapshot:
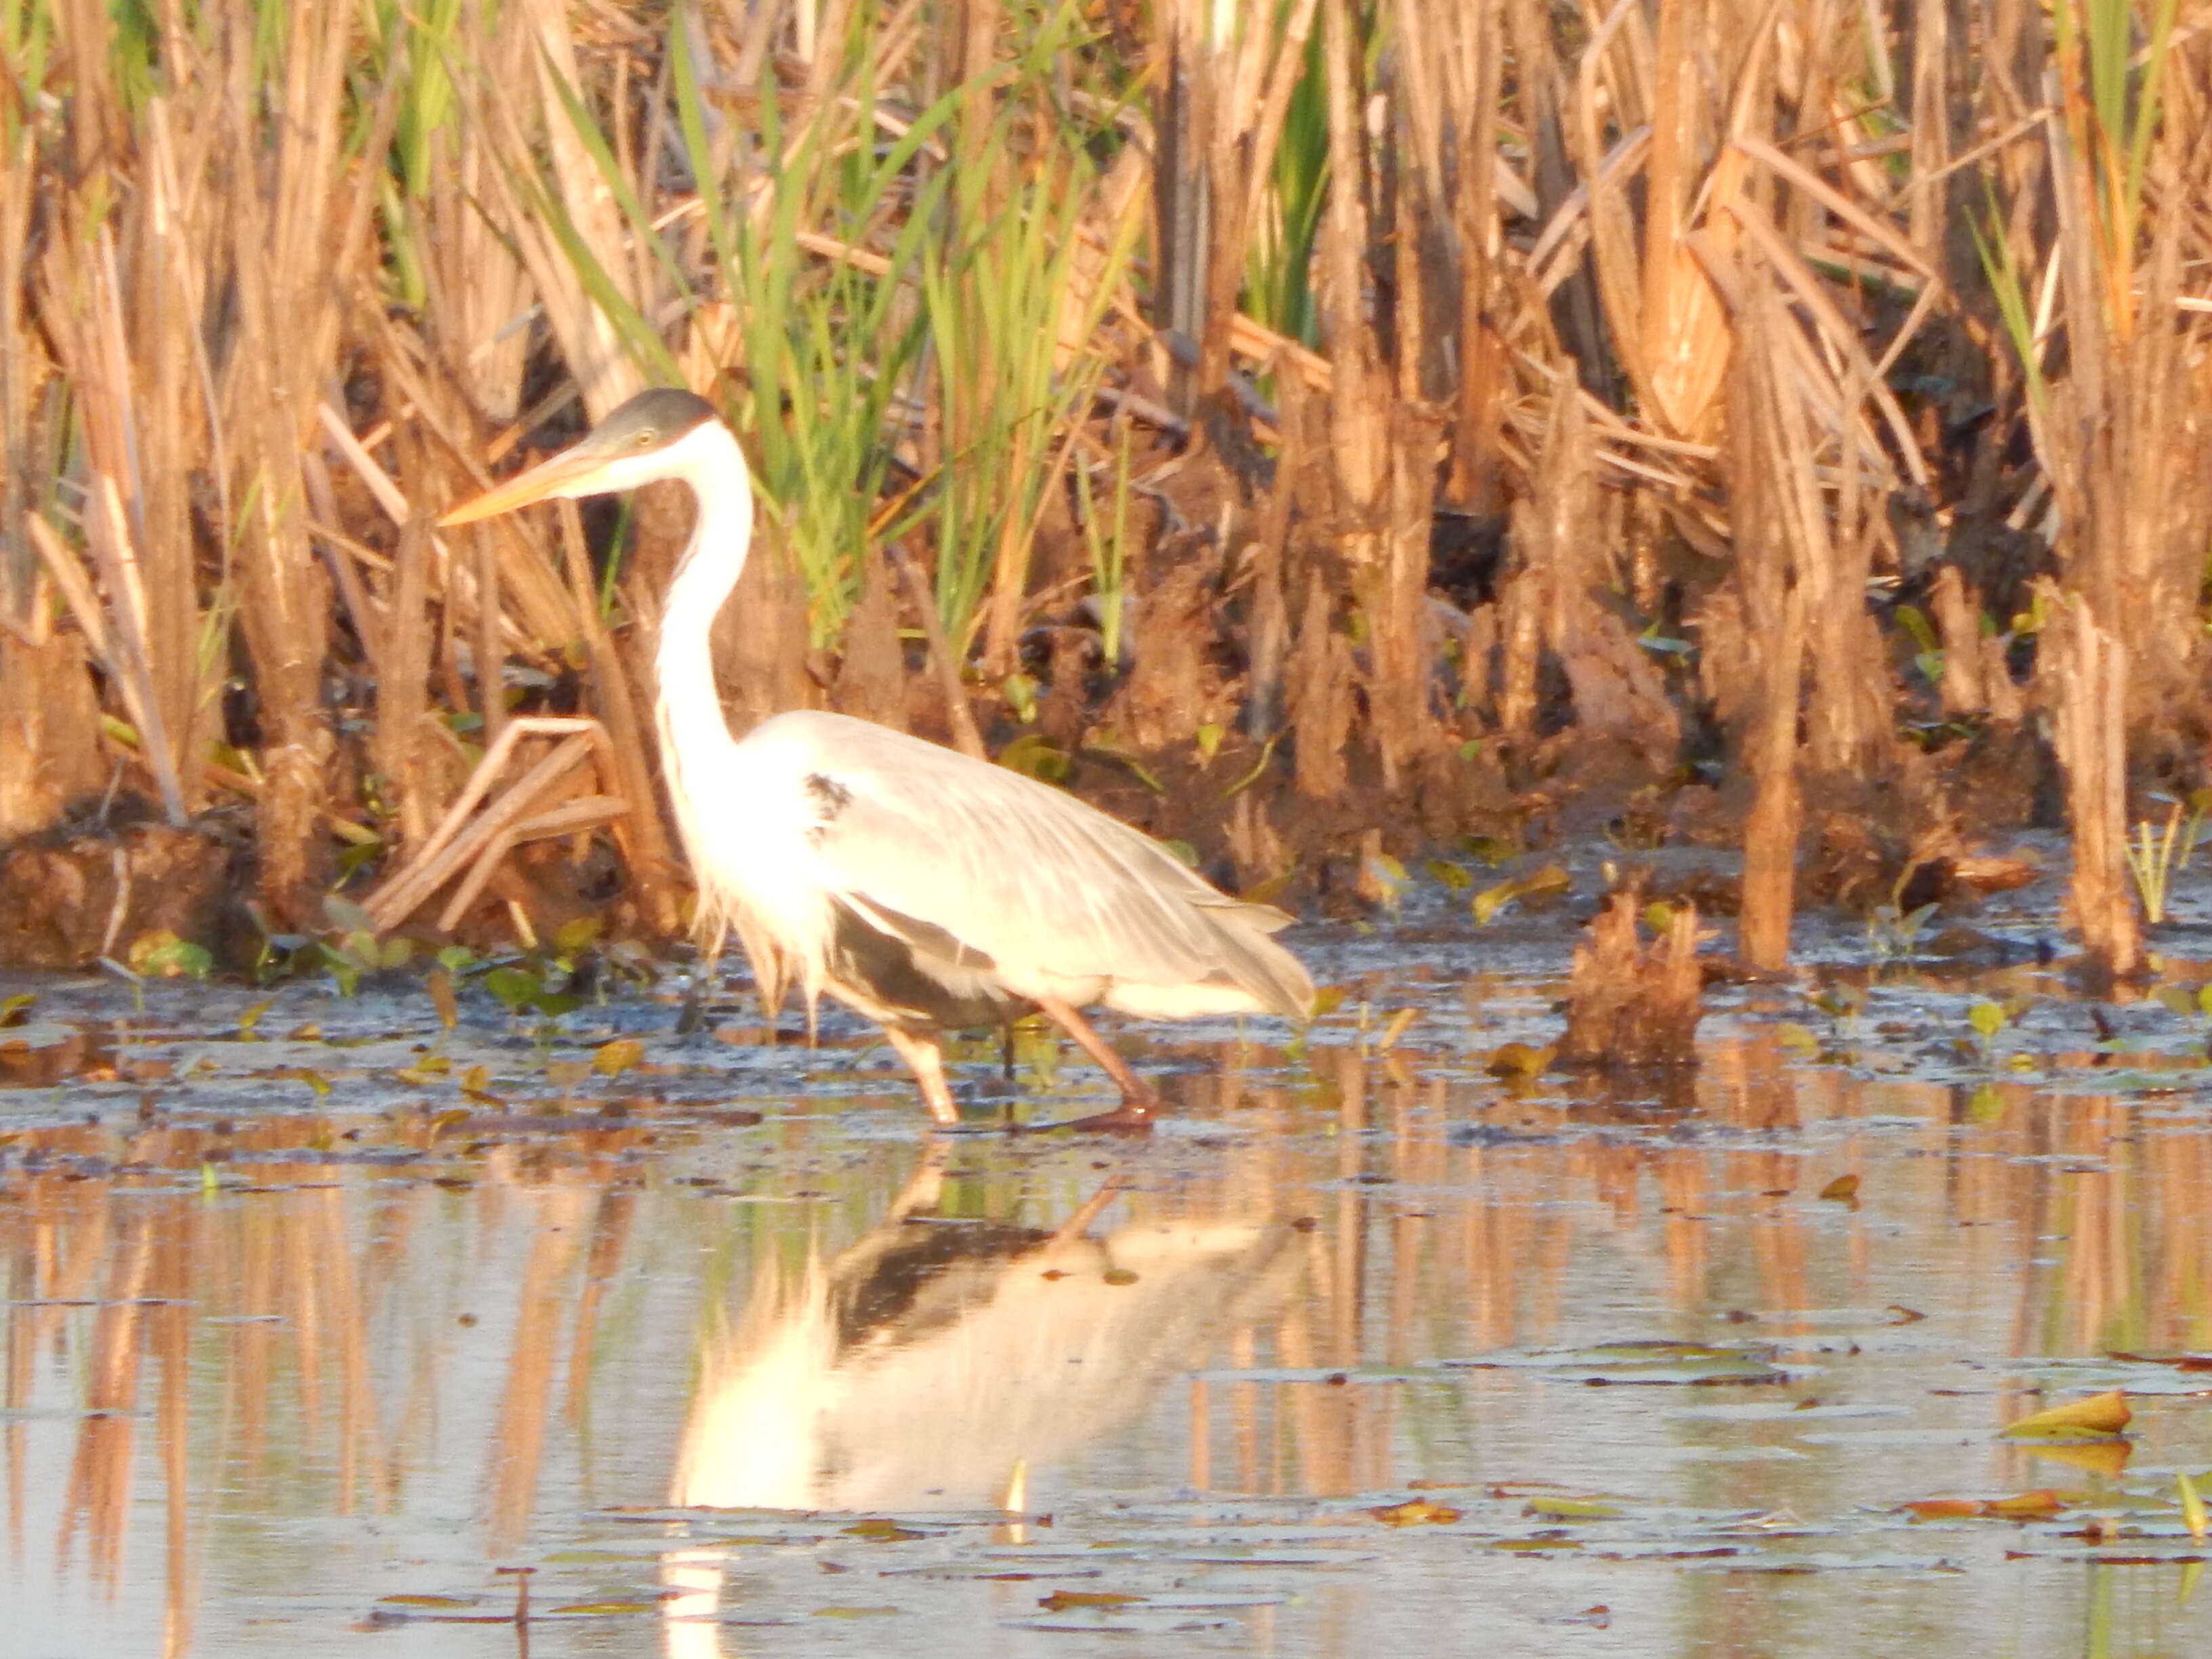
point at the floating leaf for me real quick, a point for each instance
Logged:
(516, 987)
(1119, 1276)
(1415, 1512)
(1062, 1600)
(600, 1610)
(1328, 1000)
(880, 1529)
(1490, 901)
(1518, 1062)
(1843, 1190)
(618, 1056)
(11, 1008)
(442, 998)
(1987, 1019)
(2038, 1506)
(2099, 1416)
(1037, 755)
(1573, 1509)
(1395, 1027)
(1454, 876)
(1942, 1509)
(1209, 740)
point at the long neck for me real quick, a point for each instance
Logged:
(690, 708)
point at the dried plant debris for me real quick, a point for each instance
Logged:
(1632, 1004)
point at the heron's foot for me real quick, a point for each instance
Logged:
(1133, 1116)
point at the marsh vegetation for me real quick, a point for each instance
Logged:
(1324, 433)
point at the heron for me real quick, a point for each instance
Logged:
(927, 890)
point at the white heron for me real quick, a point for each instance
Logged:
(929, 890)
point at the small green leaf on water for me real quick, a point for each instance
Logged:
(1658, 916)
(456, 958)
(1209, 740)
(1571, 1509)
(1454, 876)
(208, 1184)
(600, 1610)
(513, 987)
(251, 1017)
(615, 1058)
(2204, 1000)
(395, 953)
(1120, 1276)
(162, 955)
(1987, 1019)
(11, 1008)
(1035, 756)
(1328, 1000)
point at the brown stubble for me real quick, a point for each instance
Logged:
(300, 206)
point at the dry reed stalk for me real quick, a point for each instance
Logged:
(2088, 674)
(1552, 606)
(478, 844)
(1773, 508)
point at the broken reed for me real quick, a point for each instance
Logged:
(1113, 373)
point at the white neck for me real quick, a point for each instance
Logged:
(692, 727)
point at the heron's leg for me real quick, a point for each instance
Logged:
(926, 1060)
(1139, 1102)
(704, 978)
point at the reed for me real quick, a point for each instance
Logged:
(1386, 372)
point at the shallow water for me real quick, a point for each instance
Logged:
(309, 1342)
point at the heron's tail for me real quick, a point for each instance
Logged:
(1255, 963)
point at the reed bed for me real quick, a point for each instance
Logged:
(1768, 423)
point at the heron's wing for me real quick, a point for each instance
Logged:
(968, 859)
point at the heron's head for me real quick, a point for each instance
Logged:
(650, 437)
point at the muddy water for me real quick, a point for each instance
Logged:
(320, 1341)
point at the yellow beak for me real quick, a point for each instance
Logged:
(571, 466)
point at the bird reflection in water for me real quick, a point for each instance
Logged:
(934, 1362)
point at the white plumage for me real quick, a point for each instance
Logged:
(928, 890)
